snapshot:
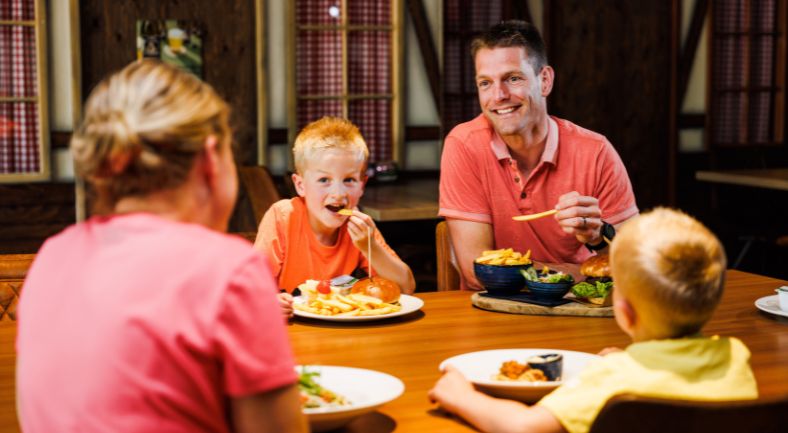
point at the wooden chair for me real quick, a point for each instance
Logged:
(629, 413)
(260, 189)
(13, 270)
(448, 276)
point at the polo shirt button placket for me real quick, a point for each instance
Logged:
(523, 195)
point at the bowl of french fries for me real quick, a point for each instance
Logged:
(499, 270)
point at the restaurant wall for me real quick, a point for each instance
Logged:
(419, 107)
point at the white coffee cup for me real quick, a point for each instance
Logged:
(783, 297)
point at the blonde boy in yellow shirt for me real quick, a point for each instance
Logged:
(669, 271)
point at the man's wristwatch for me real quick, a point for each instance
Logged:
(607, 231)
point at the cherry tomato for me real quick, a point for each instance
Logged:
(324, 287)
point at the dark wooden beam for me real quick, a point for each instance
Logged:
(692, 120)
(60, 139)
(277, 136)
(521, 10)
(429, 54)
(422, 133)
(691, 46)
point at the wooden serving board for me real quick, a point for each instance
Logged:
(514, 307)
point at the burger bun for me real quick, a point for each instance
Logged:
(378, 287)
(596, 266)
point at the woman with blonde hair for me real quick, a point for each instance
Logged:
(146, 317)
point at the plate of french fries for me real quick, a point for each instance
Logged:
(504, 257)
(354, 307)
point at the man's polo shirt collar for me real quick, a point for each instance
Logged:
(501, 150)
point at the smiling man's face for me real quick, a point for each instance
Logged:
(511, 95)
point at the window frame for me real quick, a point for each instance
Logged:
(777, 87)
(397, 57)
(42, 98)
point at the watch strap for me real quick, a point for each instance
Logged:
(606, 231)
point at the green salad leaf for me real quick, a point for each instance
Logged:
(531, 274)
(558, 277)
(597, 290)
(306, 381)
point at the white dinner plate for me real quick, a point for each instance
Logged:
(365, 390)
(409, 304)
(481, 367)
(771, 304)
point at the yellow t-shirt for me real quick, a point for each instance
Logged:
(692, 368)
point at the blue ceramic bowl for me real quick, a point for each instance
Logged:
(551, 364)
(548, 291)
(500, 279)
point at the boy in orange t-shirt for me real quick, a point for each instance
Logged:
(306, 237)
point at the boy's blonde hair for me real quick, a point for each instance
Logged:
(142, 129)
(672, 269)
(329, 133)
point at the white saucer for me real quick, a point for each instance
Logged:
(771, 304)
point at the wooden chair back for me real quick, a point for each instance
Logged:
(260, 188)
(13, 270)
(448, 276)
(628, 413)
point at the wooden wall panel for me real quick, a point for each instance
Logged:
(29, 213)
(108, 42)
(615, 74)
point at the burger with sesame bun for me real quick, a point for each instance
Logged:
(598, 285)
(378, 287)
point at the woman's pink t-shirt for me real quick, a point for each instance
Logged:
(138, 324)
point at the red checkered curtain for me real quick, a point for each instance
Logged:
(19, 137)
(746, 93)
(357, 85)
(462, 21)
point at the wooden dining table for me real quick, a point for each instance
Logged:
(412, 347)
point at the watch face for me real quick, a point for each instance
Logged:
(608, 231)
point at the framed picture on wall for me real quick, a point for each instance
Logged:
(176, 42)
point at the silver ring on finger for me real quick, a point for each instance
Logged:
(585, 223)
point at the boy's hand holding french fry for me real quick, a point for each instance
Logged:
(360, 226)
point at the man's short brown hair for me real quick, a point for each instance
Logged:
(514, 33)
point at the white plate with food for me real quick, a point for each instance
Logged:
(771, 304)
(333, 396)
(484, 370)
(366, 300)
(405, 305)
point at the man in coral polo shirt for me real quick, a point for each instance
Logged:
(515, 159)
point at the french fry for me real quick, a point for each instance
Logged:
(376, 311)
(340, 306)
(375, 302)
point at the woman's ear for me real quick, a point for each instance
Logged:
(298, 183)
(210, 159)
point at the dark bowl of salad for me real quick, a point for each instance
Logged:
(547, 284)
